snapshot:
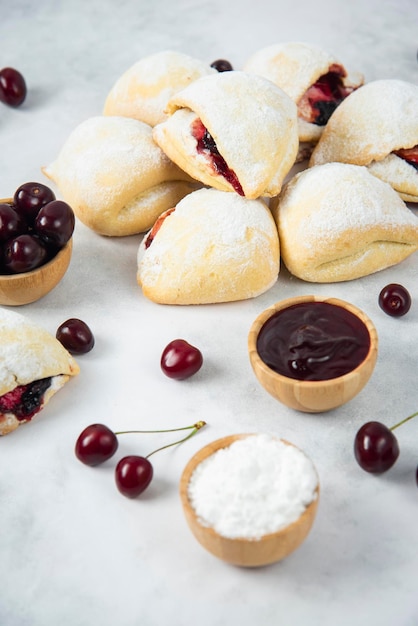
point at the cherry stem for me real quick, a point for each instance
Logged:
(195, 427)
(404, 420)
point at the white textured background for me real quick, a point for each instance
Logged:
(73, 552)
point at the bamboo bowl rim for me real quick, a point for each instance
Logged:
(264, 372)
(242, 551)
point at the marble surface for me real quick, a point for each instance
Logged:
(73, 551)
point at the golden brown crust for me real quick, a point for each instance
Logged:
(252, 122)
(143, 91)
(114, 176)
(214, 247)
(373, 122)
(338, 222)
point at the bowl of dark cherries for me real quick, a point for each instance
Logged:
(35, 243)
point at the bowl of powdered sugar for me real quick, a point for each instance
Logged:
(250, 499)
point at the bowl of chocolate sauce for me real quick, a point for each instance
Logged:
(311, 353)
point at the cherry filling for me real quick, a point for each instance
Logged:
(206, 145)
(157, 225)
(323, 97)
(410, 155)
(26, 400)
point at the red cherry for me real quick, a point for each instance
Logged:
(180, 359)
(395, 300)
(76, 336)
(133, 474)
(375, 447)
(12, 87)
(96, 444)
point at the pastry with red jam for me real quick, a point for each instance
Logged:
(338, 222)
(232, 131)
(115, 177)
(377, 127)
(313, 78)
(34, 365)
(144, 89)
(214, 246)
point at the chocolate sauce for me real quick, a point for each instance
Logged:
(313, 341)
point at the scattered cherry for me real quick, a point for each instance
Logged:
(376, 448)
(180, 359)
(76, 336)
(12, 87)
(96, 444)
(133, 474)
(395, 300)
(222, 65)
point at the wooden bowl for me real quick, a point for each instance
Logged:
(243, 552)
(27, 287)
(312, 396)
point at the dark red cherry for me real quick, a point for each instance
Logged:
(76, 336)
(24, 253)
(30, 197)
(222, 65)
(395, 300)
(12, 87)
(96, 444)
(55, 223)
(375, 447)
(133, 474)
(11, 224)
(180, 359)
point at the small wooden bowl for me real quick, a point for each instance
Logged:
(27, 287)
(312, 396)
(243, 552)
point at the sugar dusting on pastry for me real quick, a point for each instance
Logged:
(339, 222)
(214, 247)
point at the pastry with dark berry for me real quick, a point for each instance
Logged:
(338, 222)
(232, 131)
(115, 177)
(143, 91)
(34, 365)
(214, 246)
(377, 126)
(312, 77)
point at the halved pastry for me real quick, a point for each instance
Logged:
(377, 126)
(115, 177)
(143, 91)
(232, 131)
(312, 77)
(33, 367)
(338, 222)
(214, 246)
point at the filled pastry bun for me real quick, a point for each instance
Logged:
(312, 77)
(338, 222)
(214, 246)
(114, 176)
(377, 126)
(232, 131)
(143, 91)
(33, 367)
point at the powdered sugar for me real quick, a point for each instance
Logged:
(255, 486)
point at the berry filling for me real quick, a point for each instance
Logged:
(321, 99)
(25, 400)
(157, 225)
(410, 155)
(206, 145)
